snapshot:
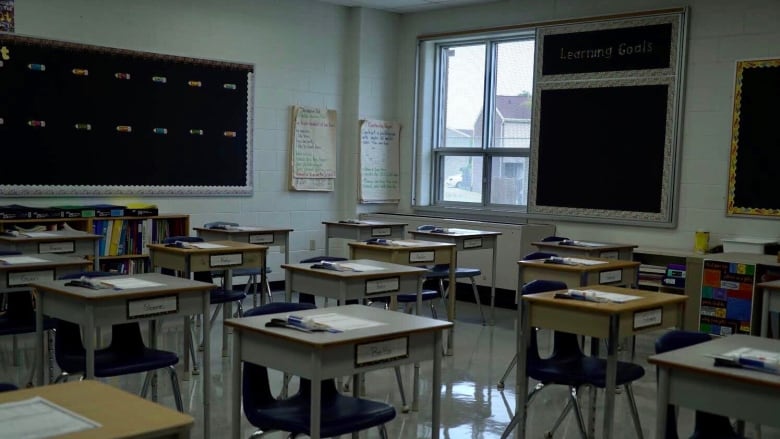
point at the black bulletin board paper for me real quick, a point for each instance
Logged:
(88, 120)
(755, 144)
(604, 135)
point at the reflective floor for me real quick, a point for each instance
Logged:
(472, 406)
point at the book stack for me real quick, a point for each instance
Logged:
(674, 276)
(651, 275)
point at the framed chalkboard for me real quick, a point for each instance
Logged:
(87, 120)
(755, 140)
(604, 135)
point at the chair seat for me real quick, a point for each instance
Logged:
(293, 415)
(444, 272)
(412, 297)
(595, 370)
(241, 272)
(111, 362)
(219, 295)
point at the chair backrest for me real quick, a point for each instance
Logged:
(553, 238)
(256, 389)
(565, 345)
(316, 259)
(539, 255)
(678, 338)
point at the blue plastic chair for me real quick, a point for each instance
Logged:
(441, 272)
(7, 387)
(126, 354)
(706, 425)
(553, 238)
(341, 414)
(569, 366)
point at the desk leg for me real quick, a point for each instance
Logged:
(452, 287)
(436, 386)
(288, 285)
(416, 378)
(609, 393)
(593, 393)
(207, 367)
(227, 311)
(153, 345)
(316, 400)
(493, 288)
(765, 313)
(235, 385)
(39, 354)
(89, 341)
(662, 401)
(188, 349)
(521, 398)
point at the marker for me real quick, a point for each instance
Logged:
(37, 67)
(83, 126)
(160, 130)
(120, 75)
(80, 72)
(161, 79)
(229, 134)
(196, 132)
(228, 86)
(194, 83)
(124, 128)
(37, 123)
(2, 121)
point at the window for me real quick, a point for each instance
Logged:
(478, 112)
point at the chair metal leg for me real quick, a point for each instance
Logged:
(145, 386)
(195, 366)
(571, 404)
(634, 411)
(404, 405)
(382, 431)
(176, 389)
(509, 368)
(476, 298)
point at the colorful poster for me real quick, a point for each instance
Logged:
(6, 15)
(726, 298)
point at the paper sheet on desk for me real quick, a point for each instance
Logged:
(205, 245)
(583, 261)
(11, 260)
(404, 243)
(612, 297)
(130, 283)
(39, 418)
(360, 267)
(38, 234)
(342, 322)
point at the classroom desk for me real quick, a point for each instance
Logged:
(588, 249)
(105, 307)
(65, 242)
(17, 277)
(609, 321)
(361, 231)
(770, 303)
(466, 239)
(688, 378)
(119, 413)
(229, 255)
(417, 253)
(320, 356)
(612, 271)
(269, 236)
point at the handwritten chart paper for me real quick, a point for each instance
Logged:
(380, 171)
(313, 165)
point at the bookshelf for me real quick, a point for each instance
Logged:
(123, 246)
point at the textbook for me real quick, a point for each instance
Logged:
(748, 358)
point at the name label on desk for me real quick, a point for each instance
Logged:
(381, 231)
(651, 317)
(156, 306)
(57, 247)
(381, 351)
(226, 259)
(261, 238)
(377, 286)
(472, 243)
(427, 256)
(610, 276)
(614, 254)
(22, 278)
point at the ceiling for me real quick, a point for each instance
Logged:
(405, 6)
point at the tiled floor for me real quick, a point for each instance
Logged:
(472, 407)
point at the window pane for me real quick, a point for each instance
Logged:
(462, 179)
(462, 100)
(509, 180)
(514, 79)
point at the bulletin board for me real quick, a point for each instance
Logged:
(726, 298)
(313, 158)
(380, 156)
(755, 140)
(604, 138)
(84, 120)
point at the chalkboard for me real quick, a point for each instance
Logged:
(755, 142)
(604, 134)
(88, 120)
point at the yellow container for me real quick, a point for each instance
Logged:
(701, 241)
